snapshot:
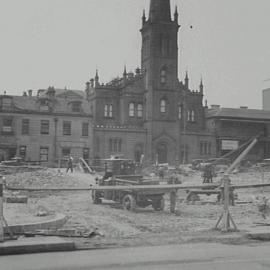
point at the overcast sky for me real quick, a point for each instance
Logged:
(62, 42)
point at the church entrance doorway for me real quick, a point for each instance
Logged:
(138, 152)
(162, 153)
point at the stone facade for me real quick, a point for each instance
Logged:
(45, 127)
(151, 112)
(148, 113)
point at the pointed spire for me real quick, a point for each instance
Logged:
(125, 72)
(160, 10)
(96, 79)
(176, 14)
(143, 17)
(187, 80)
(201, 86)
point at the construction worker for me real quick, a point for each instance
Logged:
(207, 174)
(70, 164)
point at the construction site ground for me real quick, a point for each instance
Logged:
(193, 222)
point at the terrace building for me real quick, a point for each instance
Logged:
(45, 127)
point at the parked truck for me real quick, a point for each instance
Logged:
(122, 172)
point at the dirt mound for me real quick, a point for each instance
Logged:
(48, 178)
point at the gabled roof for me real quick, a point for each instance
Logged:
(238, 113)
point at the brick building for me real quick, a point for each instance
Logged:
(45, 127)
(233, 127)
(151, 112)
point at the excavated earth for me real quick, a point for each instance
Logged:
(193, 222)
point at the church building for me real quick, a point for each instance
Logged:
(151, 112)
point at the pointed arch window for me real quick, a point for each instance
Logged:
(192, 116)
(139, 110)
(131, 109)
(163, 106)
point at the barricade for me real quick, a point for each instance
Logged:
(226, 216)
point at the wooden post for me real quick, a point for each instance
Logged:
(59, 165)
(226, 216)
(1, 211)
(173, 196)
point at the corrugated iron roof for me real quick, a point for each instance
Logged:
(238, 113)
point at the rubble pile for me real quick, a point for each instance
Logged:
(8, 170)
(45, 178)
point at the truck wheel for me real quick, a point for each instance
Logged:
(96, 197)
(129, 202)
(159, 205)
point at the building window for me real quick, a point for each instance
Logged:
(115, 145)
(106, 114)
(25, 126)
(191, 116)
(163, 106)
(140, 111)
(22, 152)
(131, 110)
(45, 127)
(44, 154)
(164, 45)
(6, 103)
(180, 112)
(209, 148)
(119, 145)
(163, 75)
(76, 107)
(110, 110)
(65, 152)
(44, 105)
(7, 125)
(86, 154)
(111, 145)
(201, 148)
(67, 128)
(85, 129)
(205, 148)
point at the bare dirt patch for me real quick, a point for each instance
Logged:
(142, 227)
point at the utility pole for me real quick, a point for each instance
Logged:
(184, 128)
(1, 211)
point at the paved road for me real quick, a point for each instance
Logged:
(186, 257)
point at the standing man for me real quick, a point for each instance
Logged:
(70, 164)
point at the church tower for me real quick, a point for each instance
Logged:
(159, 55)
(159, 62)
